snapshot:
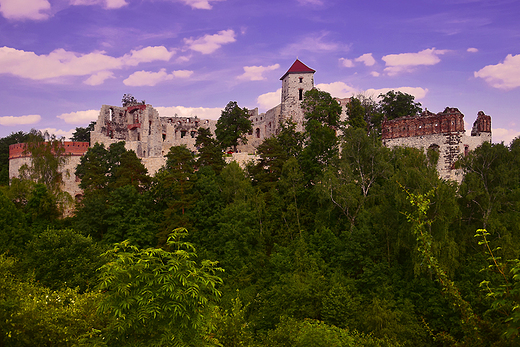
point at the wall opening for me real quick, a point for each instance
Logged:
(300, 94)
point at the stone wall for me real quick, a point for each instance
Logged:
(443, 132)
(19, 156)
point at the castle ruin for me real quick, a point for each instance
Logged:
(443, 132)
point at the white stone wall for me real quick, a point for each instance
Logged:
(68, 169)
(451, 147)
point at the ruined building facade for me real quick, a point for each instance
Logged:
(443, 132)
(151, 136)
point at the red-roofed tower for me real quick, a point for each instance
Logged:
(295, 82)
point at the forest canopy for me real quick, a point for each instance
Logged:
(329, 239)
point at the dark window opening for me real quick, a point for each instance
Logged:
(301, 94)
(192, 134)
(150, 128)
(301, 79)
(183, 133)
(163, 137)
(257, 133)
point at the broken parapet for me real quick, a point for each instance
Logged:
(443, 132)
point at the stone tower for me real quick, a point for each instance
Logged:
(295, 82)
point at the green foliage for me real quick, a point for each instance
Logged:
(322, 113)
(356, 114)
(130, 100)
(83, 134)
(53, 258)
(173, 190)
(33, 315)
(210, 153)
(294, 333)
(233, 125)
(420, 226)
(13, 232)
(159, 298)
(5, 142)
(46, 160)
(504, 292)
(398, 104)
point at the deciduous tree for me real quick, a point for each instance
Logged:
(233, 125)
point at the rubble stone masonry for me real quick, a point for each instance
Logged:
(443, 132)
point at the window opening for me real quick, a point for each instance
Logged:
(301, 94)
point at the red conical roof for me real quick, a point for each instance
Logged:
(298, 67)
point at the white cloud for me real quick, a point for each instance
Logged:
(149, 78)
(62, 63)
(337, 89)
(504, 135)
(504, 75)
(472, 50)
(79, 117)
(255, 73)
(146, 55)
(375, 73)
(21, 120)
(25, 9)
(98, 78)
(108, 4)
(346, 62)
(181, 111)
(269, 100)
(406, 62)
(418, 92)
(67, 134)
(366, 59)
(314, 43)
(210, 43)
(182, 73)
(199, 4)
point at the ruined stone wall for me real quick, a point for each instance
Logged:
(178, 131)
(138, 125)
(449, 121)
(18, 156)
(443, 132)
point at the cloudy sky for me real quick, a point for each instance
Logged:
(60, 60)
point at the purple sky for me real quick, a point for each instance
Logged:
(61, 60)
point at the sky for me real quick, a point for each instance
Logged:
(61, 60)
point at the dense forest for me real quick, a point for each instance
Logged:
(330, 239)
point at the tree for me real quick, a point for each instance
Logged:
(159, 298)
(322, 115)
(210, 154)
(173, 190)
(5, 142)
(233, 125)
(83, 134)
(356, 114)
(394, 105)
(53, 256)
(47, 158)
(129, 100)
